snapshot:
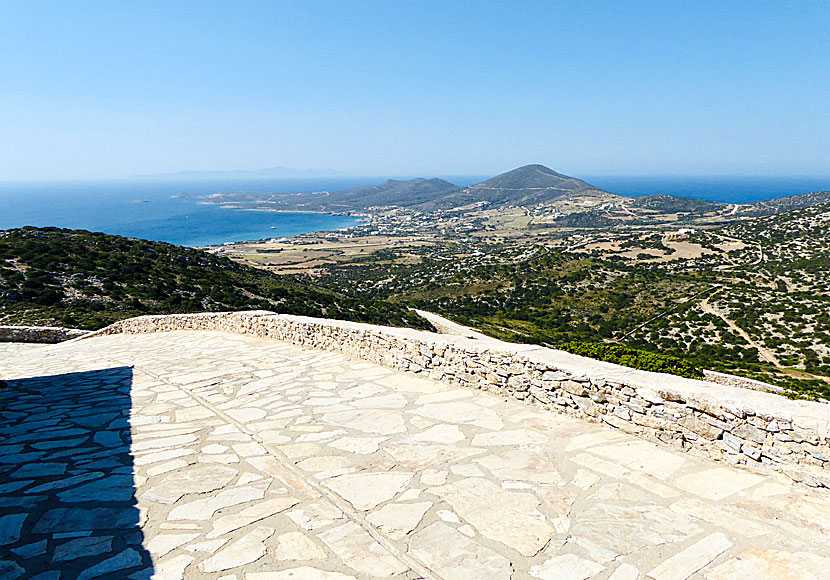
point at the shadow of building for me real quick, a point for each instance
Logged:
(67, 495)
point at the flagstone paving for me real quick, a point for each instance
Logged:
(210, 455)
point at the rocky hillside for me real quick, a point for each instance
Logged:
(527, 185)
(75, 278)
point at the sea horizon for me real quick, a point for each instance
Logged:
(146, 208)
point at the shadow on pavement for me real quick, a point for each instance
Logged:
(67, 496)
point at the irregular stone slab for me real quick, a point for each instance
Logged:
(108, 439)
(250, 548)
(163, 442)
(65, 482)
(203, 509)
(361, 445)
(447, 434)
(443, 396)
(162, 456)
(683, 564)
(508, 437)
(644, 457)
(82, 548)
(315, 515)
(246, 415)
(172, 568)
(625, 572)
(83, 520)
(455, 557)
(161, 544)
(716, 514)
(626, 528)
(417, 456)
(398, 519)
(765, 564)
(113, 488)
(10, 526)
(531, 464)
(390, 401)
(301, 573)
(717, 483)
(378, 421)
(201, 479)
(299, 450)
(250, 515)
(129, 558)
(367, 490)
(566, 567)
(433, 477)
(461, 413)
(30, 550)
(325, 464)
(504, 516)
(360, 551)
(10, 570)
(297, 546)
(39, 470)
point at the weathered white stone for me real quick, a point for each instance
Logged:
(367, 490)
(161, 544)
(249, 548)
(461, 413)
(203, 509)
(250, 515)
(507, 517)
(717, 483)
(508, 438)
(172, 568)
(625, 572)
(297, 546)
(766, 564)
(453, 556)
(418, 456)
(360, 551)
(566, 567)
(525, 464)
(628, 528)
(447, 434)
(315, 515)
(398, 519)
(361, 445)
(200, 479)
(375, 421)
(301, 573)
(685, 563)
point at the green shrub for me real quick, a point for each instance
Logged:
(634, 358)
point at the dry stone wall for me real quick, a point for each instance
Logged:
(763, 439)
(46, 334)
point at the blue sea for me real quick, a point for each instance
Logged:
(146, 208)
(726, 189)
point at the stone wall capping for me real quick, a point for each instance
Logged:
(39, 334)
(760, 430)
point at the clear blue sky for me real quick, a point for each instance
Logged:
(115, 88)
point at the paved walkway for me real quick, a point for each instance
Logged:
(209, 455)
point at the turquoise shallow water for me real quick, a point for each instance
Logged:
(145, 208)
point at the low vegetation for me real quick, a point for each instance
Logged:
(88, 280)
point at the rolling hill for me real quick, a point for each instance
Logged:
(527, 185)
(75, 278)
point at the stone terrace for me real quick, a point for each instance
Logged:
(200, 454)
